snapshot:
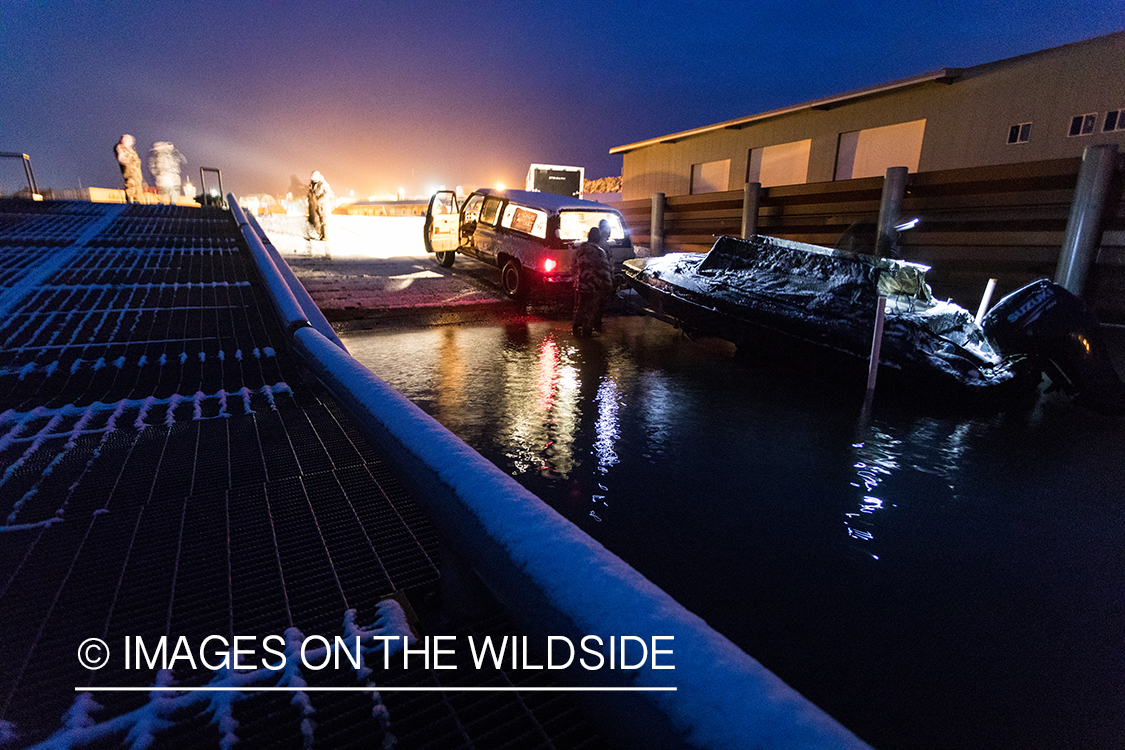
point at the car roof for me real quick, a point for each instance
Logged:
(547, 201)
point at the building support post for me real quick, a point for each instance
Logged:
(1084, 227)
(657, 230)
(750, 201)
(890, 207)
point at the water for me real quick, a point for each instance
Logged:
(931, 580)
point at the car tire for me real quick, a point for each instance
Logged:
(514, 280)
(445, 259)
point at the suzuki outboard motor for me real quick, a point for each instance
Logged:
(1047, 322)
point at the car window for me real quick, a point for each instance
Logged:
(527, 220)
(575, 225)
(490, 211)
(471, 211)
(444, 203)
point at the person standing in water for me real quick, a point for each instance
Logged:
(593, 283)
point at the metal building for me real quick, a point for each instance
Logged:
(1043, 105)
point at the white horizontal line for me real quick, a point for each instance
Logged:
(116, 342)
(107, 310)
(252, 689)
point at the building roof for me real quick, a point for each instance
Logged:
(945, 75)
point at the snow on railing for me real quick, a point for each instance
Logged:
(289, 310)
(310, 308)
(227, 687)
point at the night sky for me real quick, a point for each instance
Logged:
(413, 95)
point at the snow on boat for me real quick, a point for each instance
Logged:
(766, 291)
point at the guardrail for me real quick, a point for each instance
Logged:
(1005, 222)
(555, 580)
(32, 188)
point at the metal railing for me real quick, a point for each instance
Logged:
(32, 188)
(211, 196)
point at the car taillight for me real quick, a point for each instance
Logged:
(549, 265)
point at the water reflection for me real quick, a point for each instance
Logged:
(922, 457)
(560, 413)
(449, 379)
(548, 374)
(875, 460)
(605, 442)
(657, 414)
(539, 407)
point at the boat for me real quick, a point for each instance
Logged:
(771, 294)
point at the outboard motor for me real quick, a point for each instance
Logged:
(1046, 321)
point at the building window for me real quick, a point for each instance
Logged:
(1019, 133)
(1083, 124)
(1114, 120)
(781, 164)
(710, 177)
(869, 153)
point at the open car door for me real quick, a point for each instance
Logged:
(443, 222)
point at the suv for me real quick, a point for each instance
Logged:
(531, 237)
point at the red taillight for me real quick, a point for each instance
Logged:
(549, 265)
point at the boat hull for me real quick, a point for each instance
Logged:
(767, 316)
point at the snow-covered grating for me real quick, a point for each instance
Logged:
(164, 471)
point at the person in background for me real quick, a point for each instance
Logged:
(618, 280)
(319, 207)
(593, 283)
(606, 234)
(164, 161)
(130, 165)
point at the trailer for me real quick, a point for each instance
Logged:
(549, 178)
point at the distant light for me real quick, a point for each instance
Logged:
(499, 186)
(401, 193)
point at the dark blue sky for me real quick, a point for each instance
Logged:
(416, 94)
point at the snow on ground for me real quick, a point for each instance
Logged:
(348, 236)
(375, 265)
